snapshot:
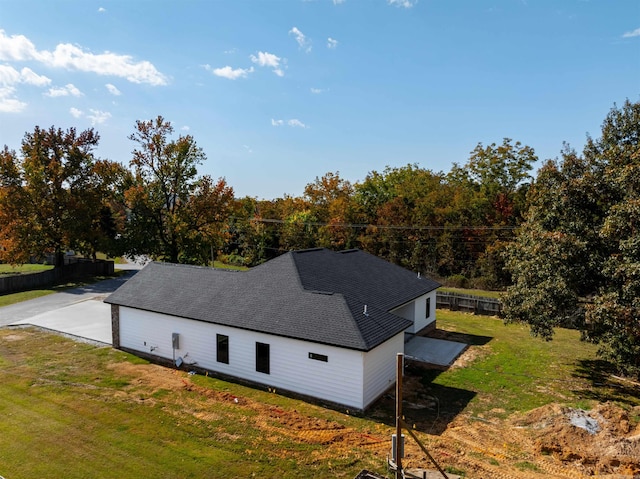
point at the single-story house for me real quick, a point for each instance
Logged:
(317, 323)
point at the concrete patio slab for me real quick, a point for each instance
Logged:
(88, 319)
(433, 351)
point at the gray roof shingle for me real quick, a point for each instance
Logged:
(314, 295)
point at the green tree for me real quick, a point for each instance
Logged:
(173, 214)
(330, 200)
(576, 258)
(613, 319)
(54, 196)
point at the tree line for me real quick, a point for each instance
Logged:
(563, 244)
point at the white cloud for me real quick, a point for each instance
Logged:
(332, 43)
(68, 89)
(71, 57)
(113, 90)
(266, 59)
(316, 91)
(102, 10)
(32, 78)
(338, 2)
(98, 117)
(635, 33)
(11, 76)
(185, 128)
(247, 148)
(8, 102)
(229, 73)
(294, 122)
(402, 3)
(303, 42)
(16, 48)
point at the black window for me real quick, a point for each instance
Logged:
(262, 358)
(318, 357)
(428, 313)
(222, 348)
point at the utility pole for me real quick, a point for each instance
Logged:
(399, 362)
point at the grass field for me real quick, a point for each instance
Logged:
(474, 292)
(8, 299)
(74, 410)
(515, 372)
(23, 268)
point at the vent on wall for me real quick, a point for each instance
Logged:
(175, 340)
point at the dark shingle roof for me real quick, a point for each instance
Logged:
(313, 295)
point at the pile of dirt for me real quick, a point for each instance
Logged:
(600, 441)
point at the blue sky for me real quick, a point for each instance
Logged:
(278, 93)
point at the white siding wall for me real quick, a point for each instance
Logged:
(416, 311)
(380, 368)
(339, 380)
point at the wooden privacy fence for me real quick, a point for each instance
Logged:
(471, 304)
(24, 282)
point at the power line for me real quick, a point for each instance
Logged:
(392, 227)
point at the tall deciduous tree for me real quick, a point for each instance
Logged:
(173, 214)
(330, 199)
(53, 196)
(613, 319)
(577, 257)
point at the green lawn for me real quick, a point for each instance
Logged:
(12, 298)
(23, 268)
(473, 292)
(83, 411)
(515, 372)
(87, 411)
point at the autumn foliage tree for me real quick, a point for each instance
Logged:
(53, 196)
(172, 213)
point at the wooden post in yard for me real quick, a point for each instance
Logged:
(398, 450)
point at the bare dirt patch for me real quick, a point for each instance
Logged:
(600, 441)
(13, 337)
(150, 376)
(541, 443)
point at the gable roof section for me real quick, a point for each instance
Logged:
(279, 297)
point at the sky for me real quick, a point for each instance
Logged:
(280, 92)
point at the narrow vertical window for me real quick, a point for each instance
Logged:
(428, 312)
(262, 358)
(222, 349)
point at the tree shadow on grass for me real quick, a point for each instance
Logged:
(469, 339)
(605, 386)
(428, 407)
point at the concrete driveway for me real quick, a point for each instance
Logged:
(78, 312)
